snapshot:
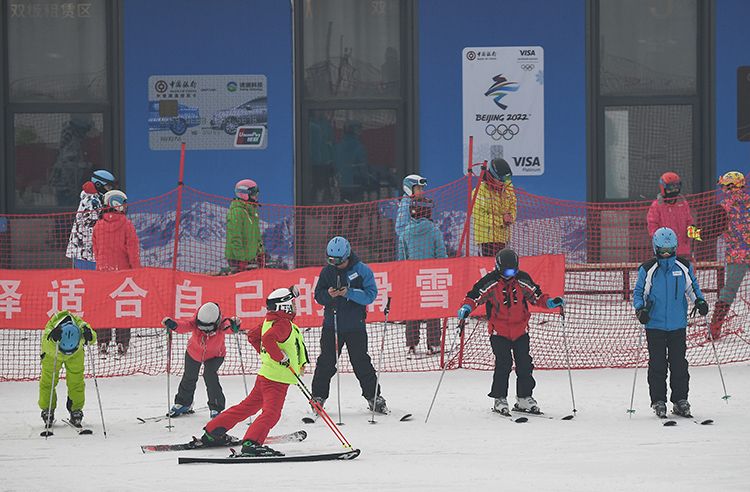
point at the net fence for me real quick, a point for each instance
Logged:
(602, 245)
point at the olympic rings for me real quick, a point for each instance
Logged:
(502, 131)
(527, 66)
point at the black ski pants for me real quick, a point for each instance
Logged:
(325, 368)
(104, 336)
(667, 348)
(502, 348)
(186, 391)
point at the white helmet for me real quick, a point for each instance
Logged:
(283, 299)
(411, 181)
(208, 317)
(116, 200)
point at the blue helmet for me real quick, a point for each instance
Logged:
(101, 178)
(70, 338)
(664, 242)
(338, 250)
(411, 181)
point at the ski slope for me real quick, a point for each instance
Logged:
(464, 446)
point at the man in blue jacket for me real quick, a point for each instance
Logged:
(345, 287)
(660, 304)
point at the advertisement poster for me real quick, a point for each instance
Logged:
(207, 112)
(503, 106)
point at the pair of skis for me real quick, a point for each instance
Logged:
(80, 429)
(313, 417)
(667, 422)
(522, 419)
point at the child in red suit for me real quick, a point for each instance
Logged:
(206, 346)
(281, 347)
(670, 209)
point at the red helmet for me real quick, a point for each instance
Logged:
(670, 184)
(244, 188)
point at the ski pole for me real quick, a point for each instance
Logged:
(461, 325)
(567, 361)
(386, 311)
(239, 352)
(52, 390)
(169, 368)
(338, 353)
(718, 364)
(98, 396)
(320, 410)
(631, 410)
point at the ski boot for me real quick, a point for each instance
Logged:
(433, 350)
(219, 438)
(682, 408)
(411, 352)
(121, 349)
(253, 449)
(213, 413)
(660, 409)
(76, 416)
(178, 410)
(103, 350)
(48, 417)
(501, 406)
(527, 404)
(317, 401)
(378, 405)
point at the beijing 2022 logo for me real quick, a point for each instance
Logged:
(500, 88)
(471, 55)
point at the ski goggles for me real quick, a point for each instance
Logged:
(666, 252)
(420, 182)
(336, 260)
(672, 188)
(510, 272)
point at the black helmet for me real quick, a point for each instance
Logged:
(506, 262)
(500, 170)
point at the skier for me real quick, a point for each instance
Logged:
(206, 346)
(244, 245)
(414, 186)
(506, 292)
(115, 248)
(345, 287)
(80, 247)
(420, 240)
(737, 238)
(670, 209)
(281, 347)
(660, 305)
(495, 208)
(62, 345)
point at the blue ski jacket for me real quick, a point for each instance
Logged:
(351, 310)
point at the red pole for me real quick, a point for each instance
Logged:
(470, 173)
(178, 213)
(472, 201)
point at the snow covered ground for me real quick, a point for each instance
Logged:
(463, 447)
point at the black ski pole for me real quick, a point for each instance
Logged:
(459, 332)
(98, 396)
(386, 311)
(52, 390)
(567, 361)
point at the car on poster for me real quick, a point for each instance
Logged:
(187, 117)
(253, 112)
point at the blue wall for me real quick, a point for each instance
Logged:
(447, 26)
(218, 37)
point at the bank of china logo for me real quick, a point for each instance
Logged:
(502, 131)
(231, 86)
(471, 55)
(500, 88)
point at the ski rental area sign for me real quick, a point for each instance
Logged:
(503, 106)
(207, 112)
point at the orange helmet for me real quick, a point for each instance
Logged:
(670, 184)
(732, 179)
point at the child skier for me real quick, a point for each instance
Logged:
(281, 347)
(670, 209)
(80, 246)
(507, 291)
(115, 248)
(414, 186)
(62, 345)
(420, 240)
(495, 208)
(660, 305)
(206, 346)
(244, 241)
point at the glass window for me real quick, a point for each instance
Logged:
(641, 143)
(57, 51)
(351, 156)
(54, 155)
(351, 48)
(648, 47)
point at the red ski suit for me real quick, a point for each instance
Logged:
(266, 395)
(674, 214)
(507, 302)
(203, 346)
(115, 243)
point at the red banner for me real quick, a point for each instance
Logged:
(420, 289)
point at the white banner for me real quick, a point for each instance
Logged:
(503, 106)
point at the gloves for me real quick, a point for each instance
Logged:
(701, 306)
(694, 233)
(464, 312)
(643, 315)
(169, 323)
(56, 334)
(555, 302)
(234, 324)
(87, 334)
(285, 361)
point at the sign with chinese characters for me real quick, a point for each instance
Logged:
(207, 112)
(503, 106)
(50, 10)
(421, 289)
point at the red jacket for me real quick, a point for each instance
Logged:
(202, 345)
(507, 302)
(116, 243)
(279, 332)
(676, 216)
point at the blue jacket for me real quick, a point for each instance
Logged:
(664, 283)
(403, 215)
(351, 310)
(421, 240)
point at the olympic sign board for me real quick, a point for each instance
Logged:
(503, 106)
